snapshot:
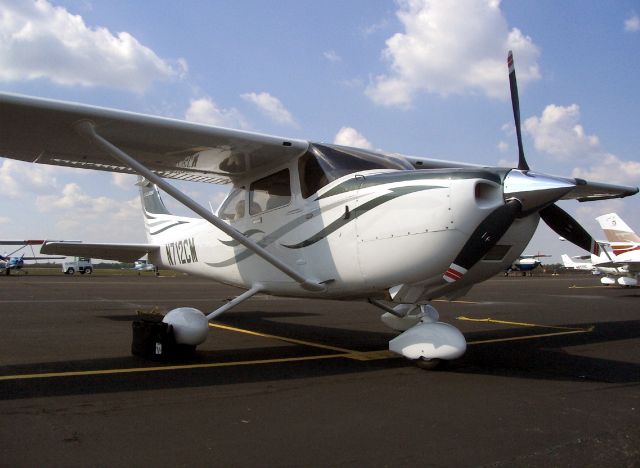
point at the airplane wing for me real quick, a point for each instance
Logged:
(21, 242)
(42, 130)
(586, 191)
(45, 131)
(118, 252)
(631, 265)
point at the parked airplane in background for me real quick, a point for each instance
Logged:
(309, 220)
(143, 265)
(9, 262)
(583, 263)
(526, 263)
(596, 264)
(623, 249)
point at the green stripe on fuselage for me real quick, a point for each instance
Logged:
(356, 183)
(394, 192)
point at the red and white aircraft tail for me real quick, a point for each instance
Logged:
(616, 230)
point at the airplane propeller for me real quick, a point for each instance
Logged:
(515, 103)
(485, 236)
(529, 193)
(563, 224)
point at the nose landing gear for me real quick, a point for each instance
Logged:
(424, 340)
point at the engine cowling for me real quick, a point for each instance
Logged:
(190, 326)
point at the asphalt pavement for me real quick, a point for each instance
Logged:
(550, 378)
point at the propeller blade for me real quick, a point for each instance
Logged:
(562, 223)
(485, 236)
(515, 102)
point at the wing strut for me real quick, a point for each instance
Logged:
(86, 128)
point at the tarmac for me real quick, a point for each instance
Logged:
(551, 377)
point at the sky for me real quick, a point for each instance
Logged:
(417, 77)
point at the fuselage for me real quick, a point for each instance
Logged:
(360, 234)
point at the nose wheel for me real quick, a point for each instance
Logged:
(429, 342)
(428, 364)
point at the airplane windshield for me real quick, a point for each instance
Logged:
(322, 164)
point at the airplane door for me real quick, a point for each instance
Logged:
(272, 213)
(329, 236)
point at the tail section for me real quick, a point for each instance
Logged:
(150, 198)
(616, 230)
(158, 221)
(567, 262)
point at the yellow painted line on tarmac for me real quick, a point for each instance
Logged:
(573, 286)
(342, 353)
(360, 356)
(131, 370)
(567, 330)
(530, 337)
(282, 338)
(522, 324)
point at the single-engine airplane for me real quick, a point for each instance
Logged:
(623, 250)
(143, 265)
(9, 262)
(579, 262)
(306, 219)
(526, 263)
(597, 266)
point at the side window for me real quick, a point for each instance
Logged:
(270, 192)
(233, 208)
(312, 177)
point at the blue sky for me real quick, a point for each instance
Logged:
(416, 77)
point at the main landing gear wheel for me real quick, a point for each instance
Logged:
(428, 364)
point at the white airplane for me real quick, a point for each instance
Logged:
(596, 264)
(583, 263)
(623, 249)
(305, 219)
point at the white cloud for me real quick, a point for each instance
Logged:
(270, 106)
(503, 162)
(206, 111)
(632, 24)
(79, 215)
(609, 168)
(374, 28)
(349, 136)
(452, 47)
(332, 56)
(124, 181)
(558, 132)
(39, 40)
(73, 198)
(21, 179)
(503, 146)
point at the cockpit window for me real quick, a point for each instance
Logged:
(323, 164)
(270, 192)
(233, 207)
